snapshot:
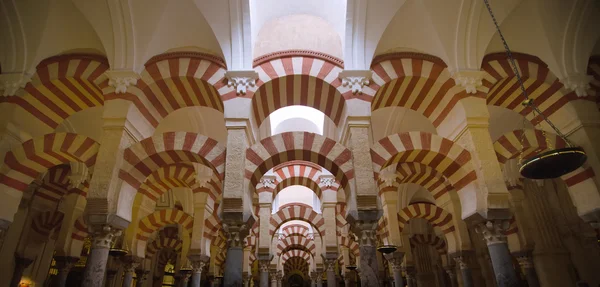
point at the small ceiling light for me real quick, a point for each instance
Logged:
(387, 249)
(555, 162)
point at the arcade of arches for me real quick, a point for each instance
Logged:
(281, 142)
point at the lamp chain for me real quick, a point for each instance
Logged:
(528, 102)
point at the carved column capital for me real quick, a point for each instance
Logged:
(241, 81)
(355, 80)
(12, 82)
(525, 262)
(493, 231)
(450, 271)
(65, 263)
(198, 262)
(130, 263)
(470, 80)
(121, 80)
(366, 232)
(580, 84)
(234, 233)
(330, 264)
(263, 265)
(462, 262)
(103, 236)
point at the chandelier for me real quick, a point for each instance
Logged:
(555, 162)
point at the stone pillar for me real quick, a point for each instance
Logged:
(63, 265)
(102, 239)
(395, 260)
(247, 279)
(198, 262)
(185, 278)
(319, 279)
(130, 263)
(20, 264)
(368, 267)
(451, 275)
(279, 278)
(410, 276)
(263, 266)
(465, 271)
(330, 270)
(493, 233)
(527, 265)
(273, 277)
(141, 276)
(235, 254)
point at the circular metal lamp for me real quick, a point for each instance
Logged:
(117, 252)
(351, 267)
(387, 249)
(555, 162)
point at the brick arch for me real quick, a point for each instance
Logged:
(150, 154)
(45, 222)
(526, 143)
(213, 225)
(61, 86)
(168, 238)
(420, 174)
(441, 154)
(55, 184)
(296, 264)
(296, 212)
(301, 90)
(165, 256)
(350, 244)
(176, 80)
(177, 175)
(298, 174)
(295, 253)
(541, 84)
(415, 81)
(80, 230)
(25, 162)
(305, 146)
(295, 229)
(296, 240)
(430, 239)
(160, 218)
(435, 215)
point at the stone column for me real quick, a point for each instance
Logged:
(395, 260)
(185, 278)
(368, 267)
(198, 262)
(130, 263)
(527, 265)
(465, 271)
(20, 264)
(279, 278)
(64, 265)
(493, 233)
(263, 265)
(141, 276)
(273, 277)
(451, 275)
(247, 279)
(103, 237)
(319, 279)
(410, 276)
(235, 231)
(330, 269)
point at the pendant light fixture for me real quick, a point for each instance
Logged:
(555, 162)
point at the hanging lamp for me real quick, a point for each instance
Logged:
(555, 162)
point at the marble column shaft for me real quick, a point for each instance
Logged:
(129, 269)
(465, 271)
(233, 267)
(63, 265)
(102, 239)
(331, 282)
(493, 232)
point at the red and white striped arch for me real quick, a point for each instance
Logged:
(350, 244)
(295, 253)
(296, 212)
(542, 86)
(296, 240)
(304, 146)
(45, 222)
(80, 230)
(25, 162)
(212, 226)
(425, 176)
(441, 154)
(176, 80)
(526, 143)
(300, 174)
(148, 155)
(61, 86)
(435, 215)
(177, 175)
(296, 264)
(168, 238)
(55, 184)
(295, 229)
(430, 239)
(299, 78)
(594, 71)
(160, 218)
(415, 81)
